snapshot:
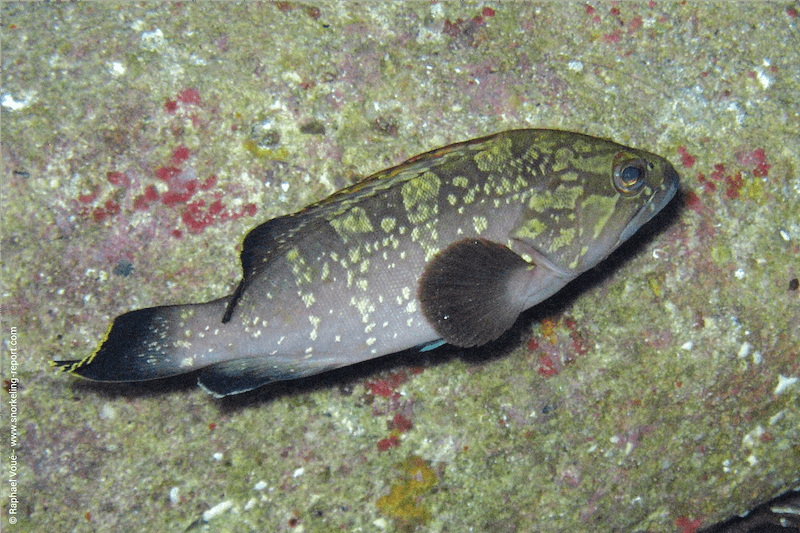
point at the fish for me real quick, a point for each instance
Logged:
(449, 247)
(779, 515)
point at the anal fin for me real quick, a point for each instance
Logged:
(247, 373)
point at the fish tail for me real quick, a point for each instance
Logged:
(152, 343)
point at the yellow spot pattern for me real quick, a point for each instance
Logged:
(420, 197)
(353, 222)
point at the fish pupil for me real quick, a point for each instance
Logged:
(630, 175)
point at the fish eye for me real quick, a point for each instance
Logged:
(630, 173)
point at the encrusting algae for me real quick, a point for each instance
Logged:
(404, 501)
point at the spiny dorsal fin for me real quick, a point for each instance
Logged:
(471, 292)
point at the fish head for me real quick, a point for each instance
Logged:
(593, 196)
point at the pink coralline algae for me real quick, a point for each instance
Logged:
(189, 201)
(755, 160)
(731, 183)
(559, 343)
(463, 31)
(386, 387)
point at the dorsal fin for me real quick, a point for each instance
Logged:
(258, 249)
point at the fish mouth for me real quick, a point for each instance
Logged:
(659, 200)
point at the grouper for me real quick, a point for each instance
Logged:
(448, 247)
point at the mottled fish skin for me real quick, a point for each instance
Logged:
(450, 246)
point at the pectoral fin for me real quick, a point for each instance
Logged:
(473, 291)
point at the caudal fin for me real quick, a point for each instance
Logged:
(151, 343)
(160, 342)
